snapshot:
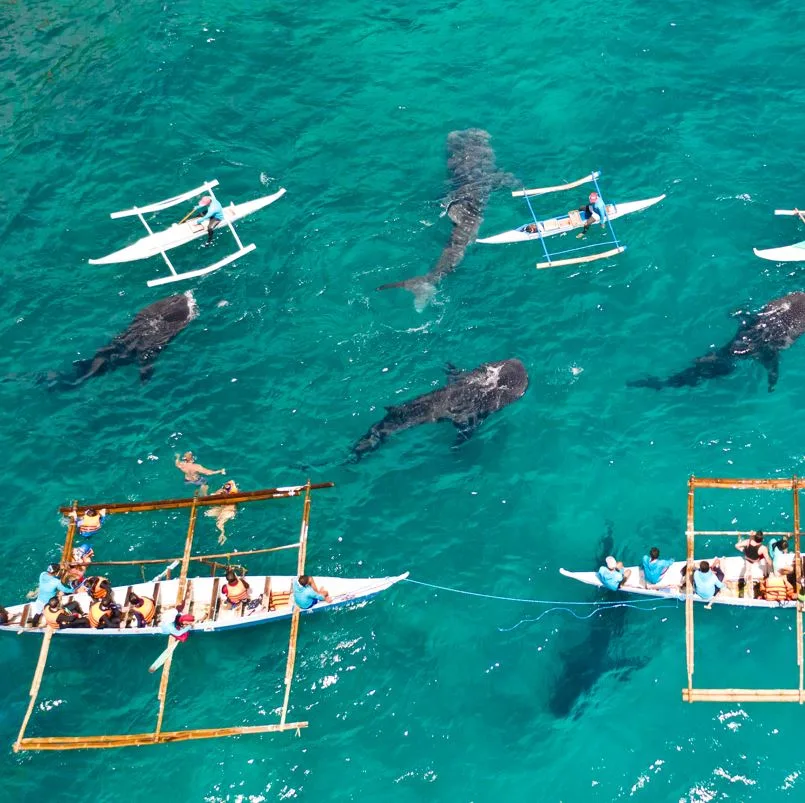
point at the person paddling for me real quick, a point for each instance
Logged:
(210, 210)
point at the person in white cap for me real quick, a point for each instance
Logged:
(612, 575)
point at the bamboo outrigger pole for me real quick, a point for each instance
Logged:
(689, 587)
(37, 682)
(797, 572)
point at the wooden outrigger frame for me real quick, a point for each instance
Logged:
(158, 735)
(691, 694)
(551, 261)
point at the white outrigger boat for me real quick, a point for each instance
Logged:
(160, 242)
(672, 585)
(785, 253)
(538, 229)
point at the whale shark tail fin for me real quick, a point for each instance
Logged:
(653, 382)
(420, 286)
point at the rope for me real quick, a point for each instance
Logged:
(610, 606)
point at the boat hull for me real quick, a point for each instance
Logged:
(181, 233)
(343, 591)
(733, 568)
(786, 253)
(563, 223)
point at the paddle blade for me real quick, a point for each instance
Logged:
(164, 655)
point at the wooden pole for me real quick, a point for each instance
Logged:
(67, 550)
(760, 484)
(37, 682)
(689, 588)
(740, 695)
(733, 533)
(202, 558)
(797, 571)
(300, 570)
(202, 501)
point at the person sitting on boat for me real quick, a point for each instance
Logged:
(531, 228)
(7, 618)
(595, 210)
(98, 588)
(211, 211)
(223, 513)
(782, 561)
(756, 559)
(82, 557)
(306, 593)
(103, 613)
(49, 584)
(612, 574)
(776, 588)
(236, 589)
(654, 568)
(58, 615)
(179, 626)
(193, 471)
(90, 522)
(143, 608)
(708, 580)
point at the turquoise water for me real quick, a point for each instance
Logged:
(417, 695)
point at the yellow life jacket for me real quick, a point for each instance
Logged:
(95, 590)
(776, 590)
(146, 609)
(52, 617)
(90, 524)
(237, 592)
(96, 614)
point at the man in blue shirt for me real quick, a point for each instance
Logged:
(708, 582)
(612, 575)
(49, 584)
(653, 567)
(596, 208)
(214, 214)
(306, 593)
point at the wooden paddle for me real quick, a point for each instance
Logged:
(187, 216)
(164, 655)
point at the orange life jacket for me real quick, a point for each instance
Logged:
(237, 592)
(95, 590)
(90, 524)
(52, 617)
(146, 609)
(96, 615)
(777, 589)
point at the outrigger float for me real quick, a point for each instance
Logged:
(201, 597)
(785, 253)
(562, 224)
(160, 242)
(673, 586)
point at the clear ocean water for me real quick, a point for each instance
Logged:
(419, 695)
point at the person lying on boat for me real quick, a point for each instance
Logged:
(776, 588)
(103, 613)
(8, 619)
(49, 584)
(59, 616)
(90, 522)
(612, 574)
(194, 473)
(179, 626)
(82, 557)
(306, 593)
(594, 211)
(143, 608)
(211, 211)
(531, 228)
(224, 513)
(708, 580)
(756, 559)
(654, 567)
(236, 589)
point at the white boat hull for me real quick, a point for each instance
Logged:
(669, 586)
(787, 253)
(343, 591)
(563, 224)
(181, 233)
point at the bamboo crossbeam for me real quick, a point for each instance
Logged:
(740, 695)
(689, 587)
(67, 550)
(788, 533)
(36, 683)
(737, 484)
(149, 561)
(201, 501)
(141, 739)
(797, 568)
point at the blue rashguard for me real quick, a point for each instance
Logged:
(213, 210)
(706, 583)
(48, 586)
(655, 569)
(610, 578)
(304, 596)
(600, 209)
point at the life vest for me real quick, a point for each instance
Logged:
(776, 589)
(146, 609)
(52, 617)
(237, 592)
(96, 614)
(96, 591)
(90, 524)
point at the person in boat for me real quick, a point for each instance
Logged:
(595, 210)
(98, 588)
(531, 228)
(654, 567)
(757, 559)
(49, 584)
(82, 557)
(236, 589)
(103, 613)
(776, 588)
(143, 608)
(782, 561)
(194, 473)
(708, 580)
(612, 574)
(209, 210)
(90, 522)
(224, 513)
(6, 618)
(179, 626)
(59, 616)
(306, 593)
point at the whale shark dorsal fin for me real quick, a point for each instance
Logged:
(452, 372)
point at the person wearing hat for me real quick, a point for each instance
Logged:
(49, 584)
(612, 574)
(179, 626)
(194, 473)
(209, 210)
(90, 522)
(595, 210)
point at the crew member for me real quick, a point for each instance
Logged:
(595, 210)
(214, 214)
(49, 584)
(306, 593)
